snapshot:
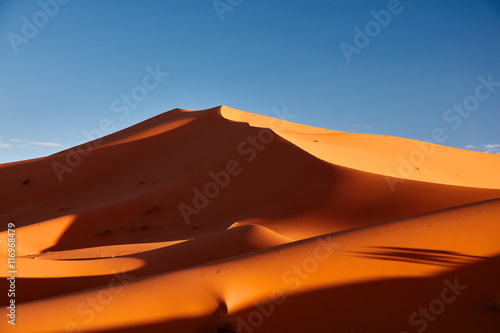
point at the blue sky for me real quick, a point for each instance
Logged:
(383, 67)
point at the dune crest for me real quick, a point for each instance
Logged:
(385, 155)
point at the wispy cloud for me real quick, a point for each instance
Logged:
(492, 148)
(24, 144)
(365, 126)
(45, 144)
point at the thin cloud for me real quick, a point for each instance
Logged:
(365, 126)
(45, 144)
(492, 148)
(4, 145)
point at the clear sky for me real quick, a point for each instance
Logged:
(399, 68)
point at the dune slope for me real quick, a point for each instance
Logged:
(195, 219)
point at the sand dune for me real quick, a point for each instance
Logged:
(193, 220)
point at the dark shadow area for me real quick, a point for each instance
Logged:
(417, 256)
(194, 325)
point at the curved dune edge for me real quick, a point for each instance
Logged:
(385, 155)
(427, 247)
(41, 236)
(134, 258)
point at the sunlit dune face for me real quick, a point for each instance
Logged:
(40, 268)
(148, 132)
(35, 238)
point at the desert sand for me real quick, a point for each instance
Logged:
(221, 221)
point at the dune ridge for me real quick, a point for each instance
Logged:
(201, 216)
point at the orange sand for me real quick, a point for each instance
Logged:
(300, 229)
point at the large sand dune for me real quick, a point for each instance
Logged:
(193, 220)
